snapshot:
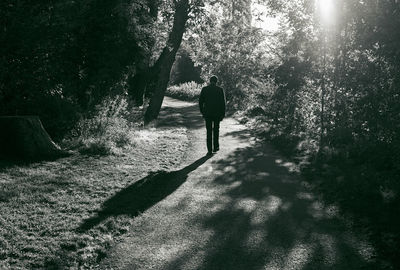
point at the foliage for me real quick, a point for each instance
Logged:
(186, 91)
(336, 100)
(227, 46)
(184, 70)
(325, 85)
(61, 58)
(107, 130)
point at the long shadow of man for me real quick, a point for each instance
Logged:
(142, 195)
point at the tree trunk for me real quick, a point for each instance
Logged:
(162, 68)
(137, 87)
(24, 138)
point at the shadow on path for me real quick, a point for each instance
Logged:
(142, 195)
(244, 209)
(266, 218)
(186, 115)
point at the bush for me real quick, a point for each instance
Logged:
(189, 91)
(106, 131)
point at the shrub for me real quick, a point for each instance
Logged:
(106, 130)
(189, 91)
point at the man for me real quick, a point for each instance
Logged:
(212, 107)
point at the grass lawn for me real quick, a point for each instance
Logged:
(43, 204)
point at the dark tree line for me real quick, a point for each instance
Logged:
(61, 58)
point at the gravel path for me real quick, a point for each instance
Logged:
(243, 208)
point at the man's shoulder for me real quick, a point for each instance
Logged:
(215, 87)
(220, 89)
(211, 88)
(205, 88)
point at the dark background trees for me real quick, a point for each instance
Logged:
(60, 58)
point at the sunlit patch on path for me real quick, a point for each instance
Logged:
(243, 208)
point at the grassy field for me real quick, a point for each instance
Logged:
(43, 205)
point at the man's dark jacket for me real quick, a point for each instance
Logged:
(212, 102)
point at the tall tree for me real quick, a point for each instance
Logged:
(161, 70)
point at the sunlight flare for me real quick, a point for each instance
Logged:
(261, 19)
(326, 9)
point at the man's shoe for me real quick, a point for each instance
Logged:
(209, 153)
(216, 149)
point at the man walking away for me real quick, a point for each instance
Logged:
(212, 107)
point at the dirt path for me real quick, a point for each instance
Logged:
(240, 209)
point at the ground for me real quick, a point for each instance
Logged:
(166, 205)
(47, 207)
(243, 208)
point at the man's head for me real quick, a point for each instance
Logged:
(213, 80)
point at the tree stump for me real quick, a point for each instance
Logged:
(24, 138)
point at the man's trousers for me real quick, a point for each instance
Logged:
(212, 127)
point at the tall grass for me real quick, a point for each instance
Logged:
(108, 130)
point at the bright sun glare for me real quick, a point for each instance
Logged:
(326, 9)
(264, 21)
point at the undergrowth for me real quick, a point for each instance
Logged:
(361, 177)
(107, 130)
(189, 91)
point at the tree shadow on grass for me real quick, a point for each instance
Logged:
(142, 195)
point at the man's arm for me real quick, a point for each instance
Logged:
(223, 103)
(201, 101)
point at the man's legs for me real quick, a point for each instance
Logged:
(216, 135)
(209, 134)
